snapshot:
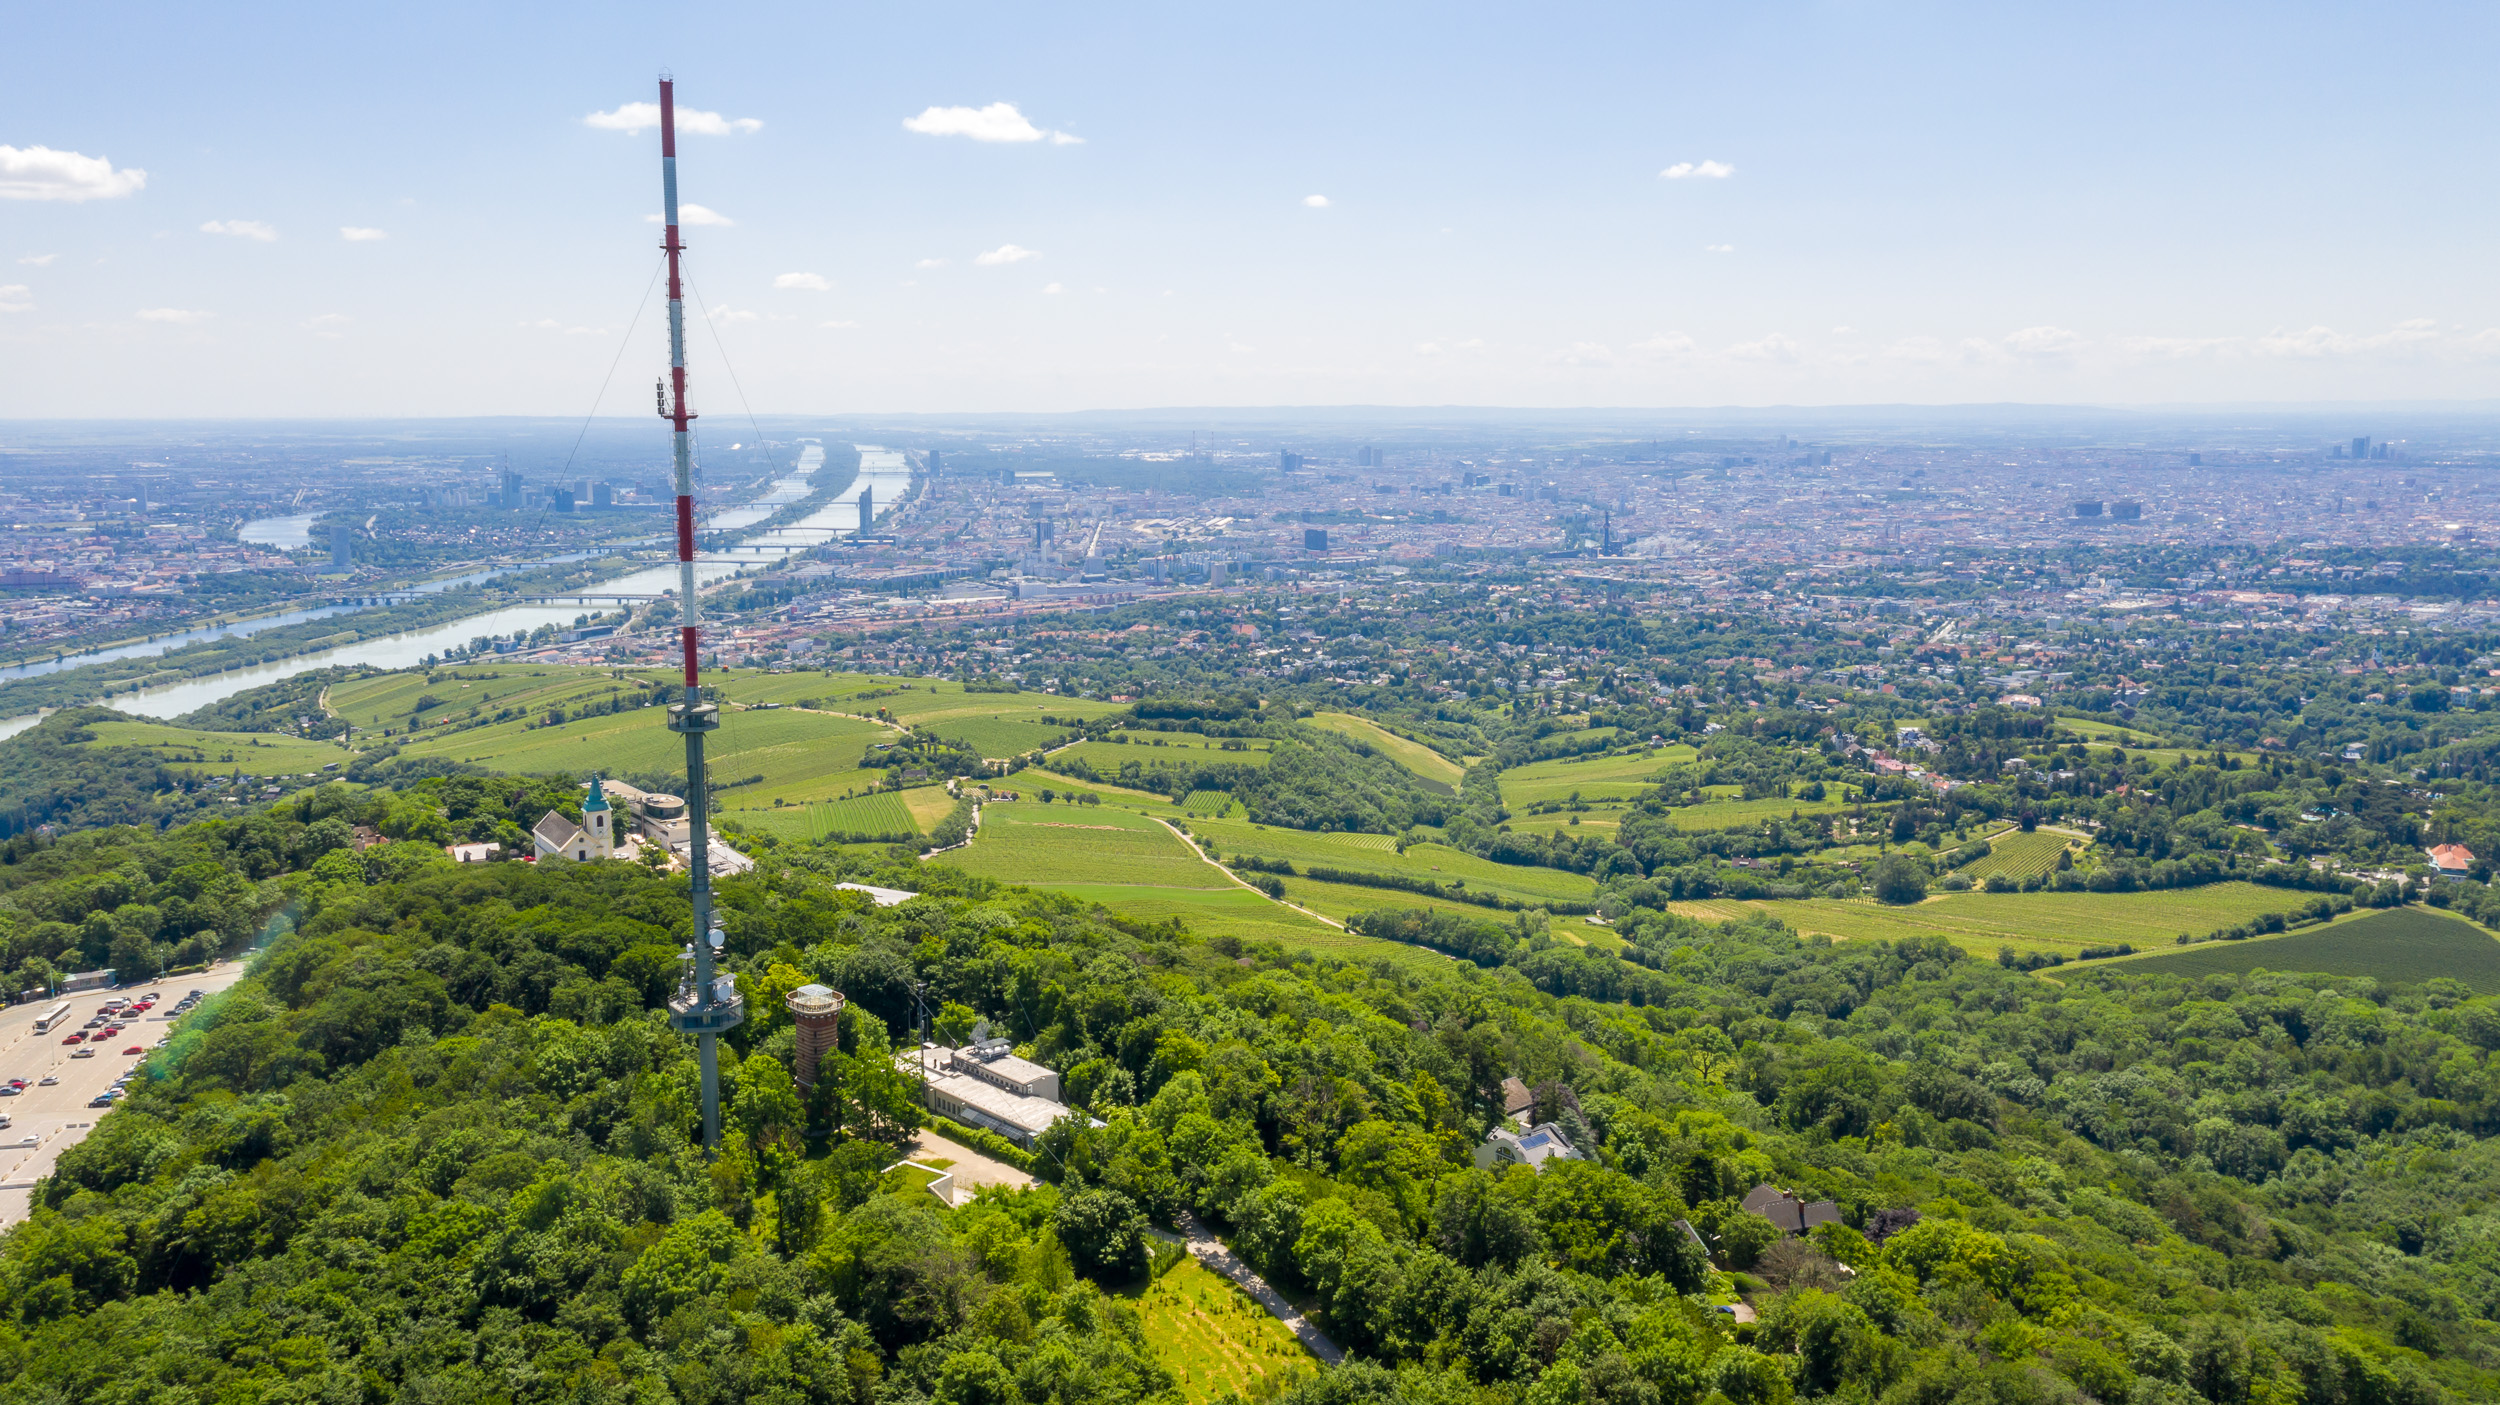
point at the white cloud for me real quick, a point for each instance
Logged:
(636, 116)
(2043, 342)
(1583, 353)
(733, 314)
(1000, 122)
(362, 234)
(2172, 348)
(39, 260)
(839, 326)
(1316, 202)
(1668, 344)
(1844, 330)
(1718, 248)
(1771, 348)
(16, 297)
(549, 324)
(40, 173)
(930, 263)
(2326, 341)
(804, 282)
(691, 216)
(172, 314)
(241, 229)
(1053, 288)
(329, 325)
(1005, 254)
(1426, 348)
(1697, 170)
(1471, 344)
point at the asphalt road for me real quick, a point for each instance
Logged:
(44, 1121)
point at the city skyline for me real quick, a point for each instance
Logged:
(1113, 209)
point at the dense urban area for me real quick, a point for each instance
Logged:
(1534, 910)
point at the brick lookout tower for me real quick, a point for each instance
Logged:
(818, 1014)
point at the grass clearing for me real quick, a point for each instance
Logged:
(1424, 762)
(2401, 946)
(1590, 777)
(1746, 814)
(200, 752)
(1033, 780)
(1215, 1339)
(1056, 846)
(1157, 750)
(1377, 853)
(803, 756)
(1980, 923)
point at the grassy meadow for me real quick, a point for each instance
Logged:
(1590, 777)
(1377, 853)
(1057, 845)
(1215, 1339)
(1419, 759)
(198, 752)
(1982, 922)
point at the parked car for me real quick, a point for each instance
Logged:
(74, 1037)
(85, 1053)
(103, 1100)
(47, 1080)
(134, 1049)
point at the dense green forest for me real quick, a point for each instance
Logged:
(439, 1145)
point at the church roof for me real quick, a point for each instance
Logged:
(556, 830)
(598, 798)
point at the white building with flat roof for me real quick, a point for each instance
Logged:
(983, 1085)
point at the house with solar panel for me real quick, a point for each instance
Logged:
(1532, 1148)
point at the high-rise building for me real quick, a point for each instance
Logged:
(603, 494)
(509, 494)
(341, 555)
(2196, 460)
(143, 498)
(1315, 539)
(2361, 446)
(867, 509)
(937, 463)
(2127, 511)
(2088, 508)
(1288, 460)
(560, 499)
(1367, 457)
(1041, 533)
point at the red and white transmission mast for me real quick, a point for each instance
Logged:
(705, 1005)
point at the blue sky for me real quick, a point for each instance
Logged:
(1887, 203)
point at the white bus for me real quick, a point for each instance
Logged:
(45, 1022)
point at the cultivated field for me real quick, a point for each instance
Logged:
(1177, 749)
(803, 756)
(1376, 853)
(2400, 946)
(1215, 1339)
(1747, 814)
(882, 813)
(1591, 778)
(1207, 803)
(1416, 757)
(1033, 780)
(389, 701)
(2020, 855)
(1983, 922)
(200, 752)
(1060, 845)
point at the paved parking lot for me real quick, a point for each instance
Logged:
(43, 1121)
